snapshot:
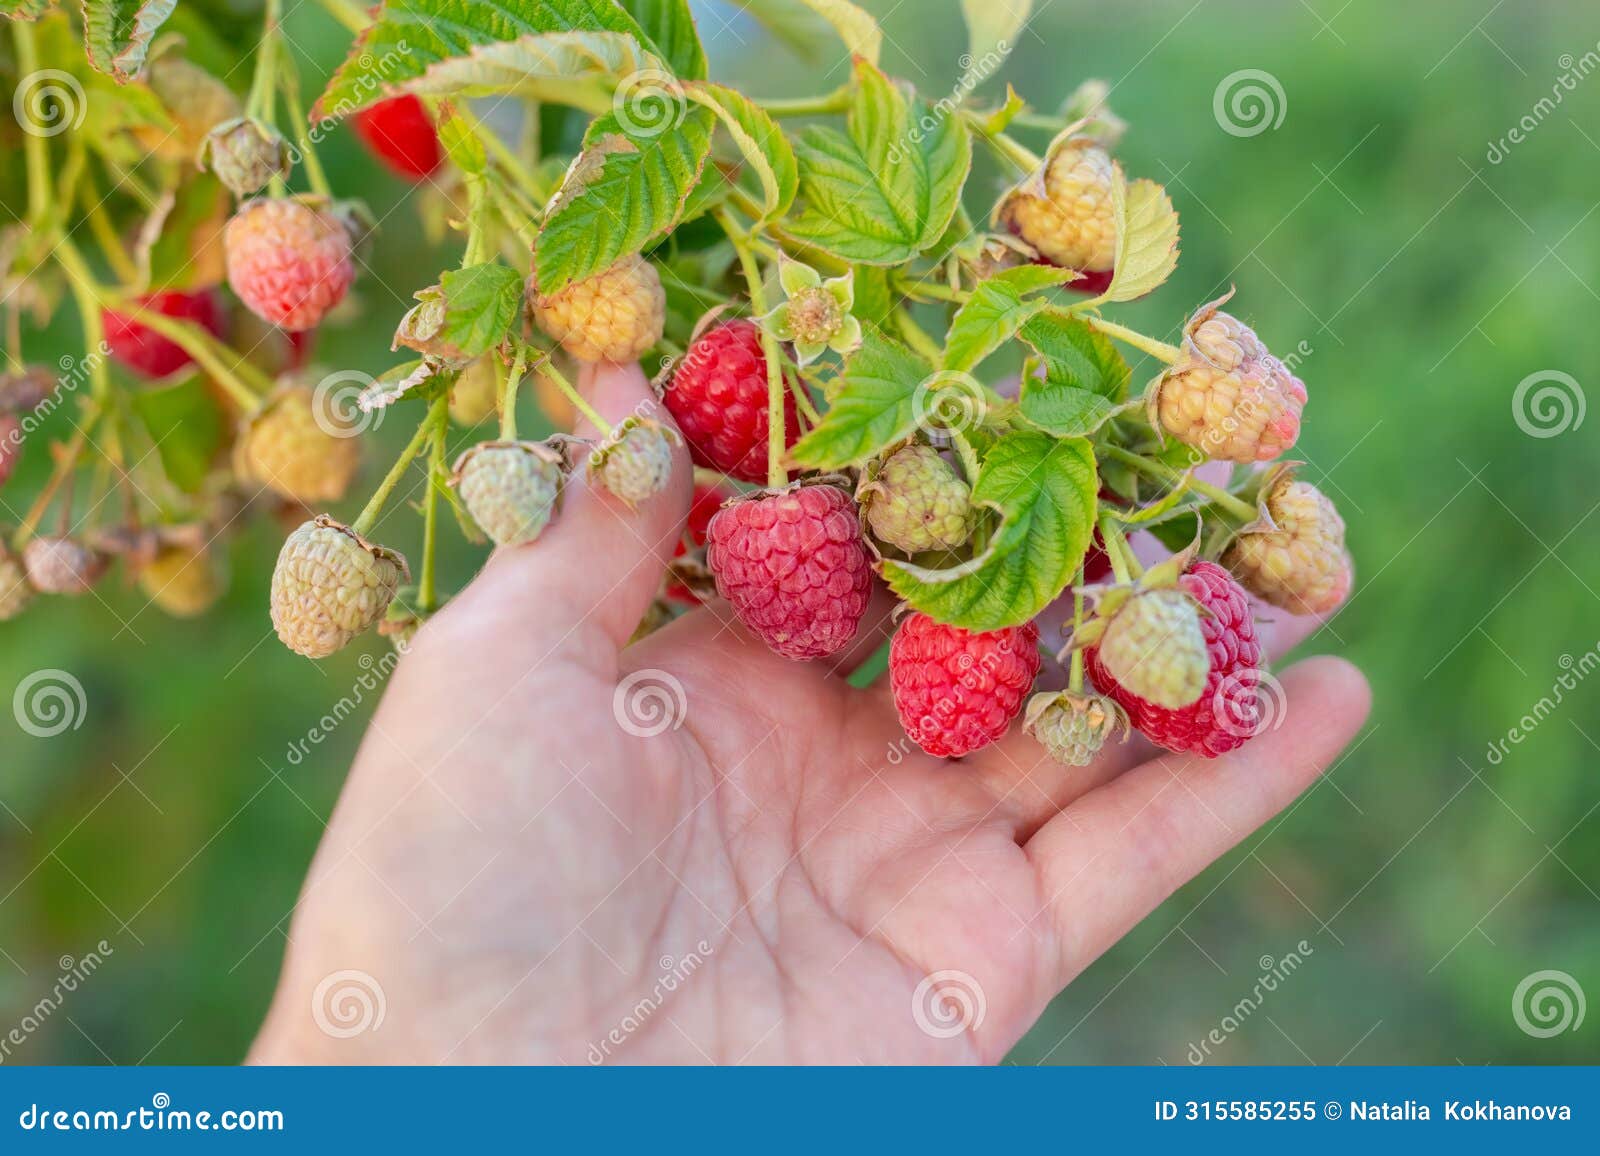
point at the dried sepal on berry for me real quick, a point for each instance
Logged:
(613, 316)
(297, 448)
(63, 565)
(635, 462)
(1073, 727)
(915, 501)
(511, 489)
(1294, 556)
(330, 585)
(1227, 395)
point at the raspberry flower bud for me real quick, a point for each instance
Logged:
(15, 593)
(613, 316)
(816, 317)
(296, 450)
(290, 259)
(1073, 727)
(1064, 210)
(916, 502)
(245, 154)
(511, 489)
(636, 462)
(1226, 395)
(330, 585)
(60, 565)
(1298, 562)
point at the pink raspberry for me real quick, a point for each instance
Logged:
(957, 690)
(289, 260)
(718, 396)
(794, 567)
(1227, 711)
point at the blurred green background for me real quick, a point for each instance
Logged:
(1425, 282)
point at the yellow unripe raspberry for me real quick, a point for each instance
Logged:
(1302, 566)
(297, 450)
(613, 316)
(1070, 220)
(184, 582)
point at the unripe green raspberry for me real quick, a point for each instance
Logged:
(613, 316)
(296, 450)
(15, 592)
(476, 393)
(330, 585)
(245, 154)
(62, 565)
(1153, 647)
(511, 489)
(1073, 727)
(1226, 395)
(636, 464)
(916, 502)
(1068, 216)
(1302, 566)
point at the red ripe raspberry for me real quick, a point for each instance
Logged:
(957, 691)
(718, 397)
(401, 135)
(707, 501)
(148, 352)
(1227, 711)
(794, 567)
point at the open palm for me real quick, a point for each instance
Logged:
(557, 847)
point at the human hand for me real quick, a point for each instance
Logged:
(774, 881)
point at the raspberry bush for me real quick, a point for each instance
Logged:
(886, 369)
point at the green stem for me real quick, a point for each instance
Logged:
(932, 290)
(86, 293)
(825, 105)
(290, 85)
(777, 440)
(917, 337)
(65, 464)
(1124, 566)
(347, 14)
(1075, 671)
(105, 234)
(1232, 505)
(374, 508)
(35, 150)
(260, 103)
(570, 392)
(510, 384)
(505, 157)
(439, 425)
(802, 399)
(243, 383)
(1157, 349)
(1008, 149)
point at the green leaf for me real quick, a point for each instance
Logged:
(117, 33)
(759, 140)
(874, 300)
(993, 27)
(1147, 237)
(411, 38)
(1077, 355)
(525, 66)
(460, 142)
(876, 406)
(886, 191)
(483, 303)
(997, 308)
(1064, 410)
(794, 22)
(1044, 490)
(670, 24)
(187, 428)
(625, 191)
(23, 10)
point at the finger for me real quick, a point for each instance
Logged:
(1105, 862)
(600, 562)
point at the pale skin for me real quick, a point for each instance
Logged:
(773, 879)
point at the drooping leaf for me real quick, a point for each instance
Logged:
(876, 406)
(1043, 489)
(998, 307)
(1147, 237)
(887, 190)
(993, 27)
(117, 33)
(411, 38)
(670, 25)
(187, 427)
(625, 191)
(760, 141)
